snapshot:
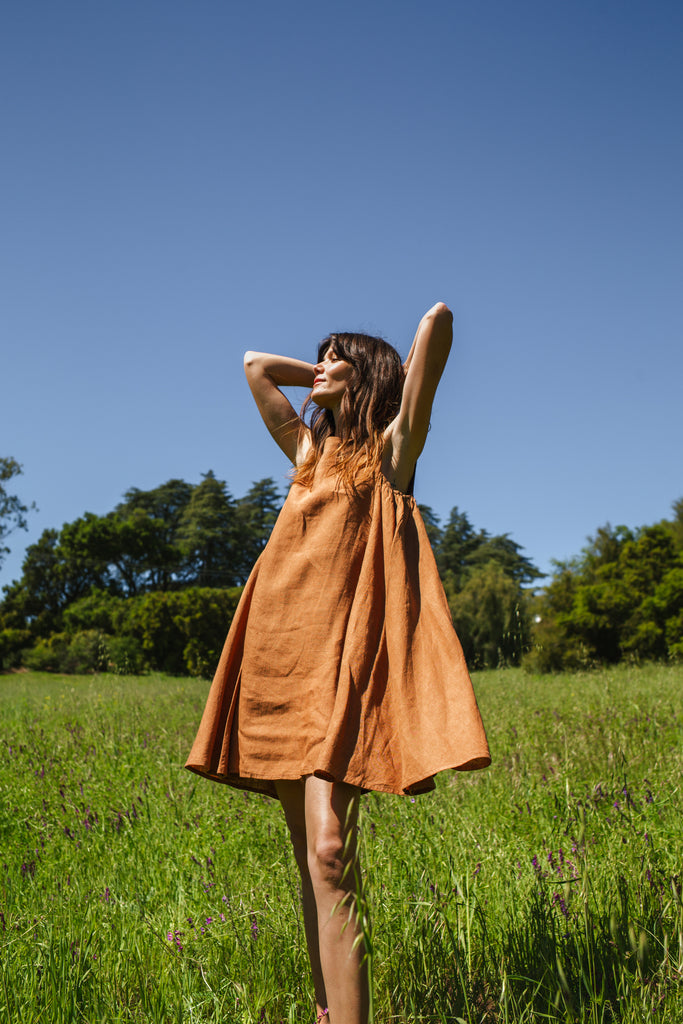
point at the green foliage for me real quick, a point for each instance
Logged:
(255, 515)
(484, 578)
(98, 610)
(622, 599)
(89, 650)
(12, 642)
(675, 525)
(95, 573)
(48, 655)
(546, 888)
(178, 632)
(490, 617)
(460, 550)
(432, 526)
(122, 577)
(12, 512)
(457, 545)
(182, 632)
(207, 534)
(124, 655)
(84, 652)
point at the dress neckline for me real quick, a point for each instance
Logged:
(383, 479)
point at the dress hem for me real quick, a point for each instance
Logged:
(266, 786)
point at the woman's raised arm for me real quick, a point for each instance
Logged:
(424, 366)
(266, 374)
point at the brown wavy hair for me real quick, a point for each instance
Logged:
(371, 401)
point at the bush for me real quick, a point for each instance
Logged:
(12, 642)
(203, 616)
(47, 655)
(125, 656)
(99, 610)
(87, 652)
(178, 632)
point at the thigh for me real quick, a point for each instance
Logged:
(293, 799)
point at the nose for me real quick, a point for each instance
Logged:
(319, 367)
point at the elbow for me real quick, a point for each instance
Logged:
(251, 363)
(439, 313)
(441, 310)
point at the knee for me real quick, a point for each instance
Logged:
(329, 861)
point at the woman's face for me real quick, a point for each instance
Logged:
(332, 377)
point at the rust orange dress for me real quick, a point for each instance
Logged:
(342, 660)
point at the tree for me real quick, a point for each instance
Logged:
(207, 535)
(622, 598)
(12, 512)
(164, 506)
(506, 553)
(432, 526)
(675, 525)
(490, 618)
(460, 549)
(36, 600)
(255, 516)
(483, 577)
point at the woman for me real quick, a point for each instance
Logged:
(341, 672)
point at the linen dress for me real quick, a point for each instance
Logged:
(341, 660)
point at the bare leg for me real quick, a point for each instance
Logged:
(331, 816)
(322, 817)
(292, 798)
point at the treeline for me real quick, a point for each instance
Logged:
(150, 585)
(155, 582)
(154, 585)
(487, 580)
(621, 599)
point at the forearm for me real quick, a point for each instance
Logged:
(283, 371)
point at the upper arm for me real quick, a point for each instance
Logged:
(276, 410)
(427, 362)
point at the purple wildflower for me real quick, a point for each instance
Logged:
(559, 901)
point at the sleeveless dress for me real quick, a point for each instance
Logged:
(341, 660)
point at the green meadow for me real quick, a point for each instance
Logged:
(546, 888)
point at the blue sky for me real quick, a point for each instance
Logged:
(183, 181)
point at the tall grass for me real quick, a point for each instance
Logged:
(547, 888)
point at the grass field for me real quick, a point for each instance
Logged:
(547, 888)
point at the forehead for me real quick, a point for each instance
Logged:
(331, 348)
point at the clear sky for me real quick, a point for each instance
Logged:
(182, 181)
